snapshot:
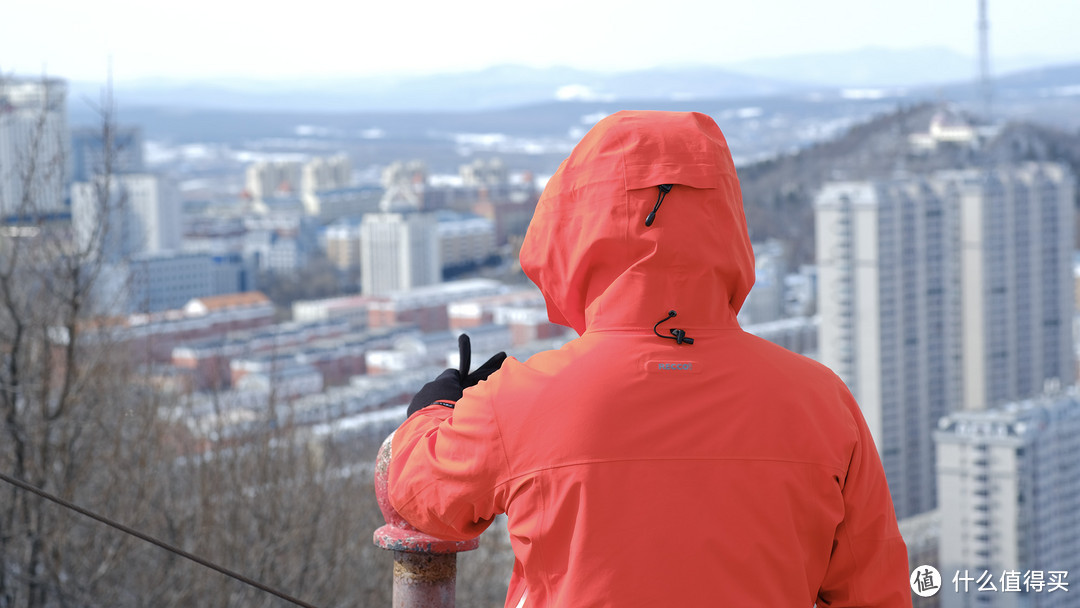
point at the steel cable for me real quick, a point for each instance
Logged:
(150, 539)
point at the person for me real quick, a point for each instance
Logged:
(665, 457)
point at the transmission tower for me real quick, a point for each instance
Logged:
(986, 87)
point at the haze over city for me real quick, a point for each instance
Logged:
(202, 39)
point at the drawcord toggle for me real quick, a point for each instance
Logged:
(664, 189)
(676, 334)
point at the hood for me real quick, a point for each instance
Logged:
(597, 263)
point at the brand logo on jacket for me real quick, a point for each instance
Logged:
(679, 366)
(671, 367)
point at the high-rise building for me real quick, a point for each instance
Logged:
(342, 203)
(326, 173)
(1009, 503)
(268, 179)
(940, 293)
(398, 251)
(481, 173)
(33, 147)
(405, 187)
(280, 241)
(465, 240)
(327, 191)
(153, 282)
(343, 245)
(166, 281)
(765, 302)
(92, 156)
(128, 214)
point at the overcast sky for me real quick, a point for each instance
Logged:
(330, 38)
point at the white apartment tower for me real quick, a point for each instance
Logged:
(398, 251)
(267, 179)
(33, 147)
(141, 215)
(1009, 501)
(326, 173)
(943, 293)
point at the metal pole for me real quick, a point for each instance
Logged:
(424, 579)
(425, 567)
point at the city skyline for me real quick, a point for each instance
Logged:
(217, 40)
(246, 363)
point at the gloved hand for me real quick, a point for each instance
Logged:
(449, 385)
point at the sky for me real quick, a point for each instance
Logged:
(214, 39)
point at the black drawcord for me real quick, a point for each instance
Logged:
(676, 334)
(664, 189)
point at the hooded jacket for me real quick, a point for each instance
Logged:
(636, 469)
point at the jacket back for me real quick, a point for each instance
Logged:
(636, 468)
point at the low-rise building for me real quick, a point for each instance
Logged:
(427, 306)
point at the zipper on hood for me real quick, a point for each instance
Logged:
(676, 334)
(664, 189)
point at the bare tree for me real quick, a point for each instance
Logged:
(63, 398)
(81, 417)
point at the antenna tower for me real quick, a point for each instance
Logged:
(985, 86)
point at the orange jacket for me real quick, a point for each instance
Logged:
(638, 471)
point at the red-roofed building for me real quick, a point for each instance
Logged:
(152, 337)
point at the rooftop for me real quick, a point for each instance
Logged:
(201, 306)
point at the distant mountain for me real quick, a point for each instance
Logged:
(881, 67)
(871, 67)
(495, 87)
(1049, 94)
(514, 85)
(1051, 80)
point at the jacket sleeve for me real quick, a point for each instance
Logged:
(869, 564)
(445, 467)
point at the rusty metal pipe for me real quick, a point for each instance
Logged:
(425, 567)
(424, 579)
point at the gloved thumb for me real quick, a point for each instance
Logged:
(489, 367)
(464, 354)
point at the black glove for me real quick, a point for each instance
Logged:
(449, 385)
